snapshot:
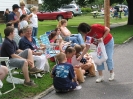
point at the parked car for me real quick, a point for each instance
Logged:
(55, 15)
(75, 9)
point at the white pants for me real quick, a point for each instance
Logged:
(41, 62)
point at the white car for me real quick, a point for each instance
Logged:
(75, 9)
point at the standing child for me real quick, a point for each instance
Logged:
(23, 21)
(34, 20)
(63, 75)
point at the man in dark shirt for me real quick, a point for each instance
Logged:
(14, 17)
(21, 60)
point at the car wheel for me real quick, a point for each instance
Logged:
(59, 17)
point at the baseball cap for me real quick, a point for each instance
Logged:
(15, 6)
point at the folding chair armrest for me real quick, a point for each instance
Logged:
(4, 58)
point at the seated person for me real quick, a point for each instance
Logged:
(64, 79)
(21, 60)
(21, 33)
(66, 34)
(70, 52)
(28, 42)
(16, 37)
(3, 73)
(9, 24)
(85, 63)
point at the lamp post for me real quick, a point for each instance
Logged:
(107, 13)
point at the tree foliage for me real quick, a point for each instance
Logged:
(51, 5)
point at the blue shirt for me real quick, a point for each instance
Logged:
(12, 16)
(24, 43)
(8, 48)
(63, 74)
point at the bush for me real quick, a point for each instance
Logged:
(86, 9)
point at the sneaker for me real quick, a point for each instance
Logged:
(100, 79)
(35, 70)
(30, 84)
(1, 84)
(84, 77)
(111, 76)
(78, 87)
(39, 75)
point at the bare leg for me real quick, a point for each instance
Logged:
(3, 72)
(30, 57)
(25, 71)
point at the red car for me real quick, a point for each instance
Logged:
(56, 15)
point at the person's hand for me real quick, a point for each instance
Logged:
(99, 40)
(76, 66)
(29, 62)
(79, 58)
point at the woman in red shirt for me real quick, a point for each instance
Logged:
(98, 32)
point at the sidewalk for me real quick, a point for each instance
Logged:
(85, 84)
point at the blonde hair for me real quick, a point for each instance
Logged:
(22, 3)
(60, 57)
(61, 22)
(26, 28)
(34, 8)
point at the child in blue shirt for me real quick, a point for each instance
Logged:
(64, 79)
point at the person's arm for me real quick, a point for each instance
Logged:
(106, 31)
(19, 51)
(84, 52)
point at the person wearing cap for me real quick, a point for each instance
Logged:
(14, 17)
(99, 32)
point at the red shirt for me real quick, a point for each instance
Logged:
(69, 60)
(97, 31)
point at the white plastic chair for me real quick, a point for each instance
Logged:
(6, 59)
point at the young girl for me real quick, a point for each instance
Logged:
(34, 20)
(23, 21)
(70, 52)
(85, 63)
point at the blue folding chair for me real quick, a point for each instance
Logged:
(37, 42)
(50, 51)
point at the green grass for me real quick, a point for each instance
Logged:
(120, 34)
(25, 92)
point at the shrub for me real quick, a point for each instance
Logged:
(86, 9)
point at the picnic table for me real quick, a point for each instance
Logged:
(97, 13)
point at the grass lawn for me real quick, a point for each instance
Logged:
(120, 34)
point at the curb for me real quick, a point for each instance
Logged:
(44, 93)
(128, 40)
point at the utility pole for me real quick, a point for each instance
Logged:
(107, 13)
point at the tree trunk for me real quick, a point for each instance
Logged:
(130, 12)
(107, 13)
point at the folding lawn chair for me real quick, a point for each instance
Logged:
(50, 51)
(6, 59)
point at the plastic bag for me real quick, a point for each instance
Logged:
(99, 56)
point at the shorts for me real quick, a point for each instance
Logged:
(17, 62)
(73, 86)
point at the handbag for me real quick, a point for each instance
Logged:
(99, 56)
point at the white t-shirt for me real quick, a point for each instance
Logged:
(34, 20)
(23, 24)
(74, 61)
(20, 11)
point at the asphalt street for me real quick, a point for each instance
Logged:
(120, 88)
